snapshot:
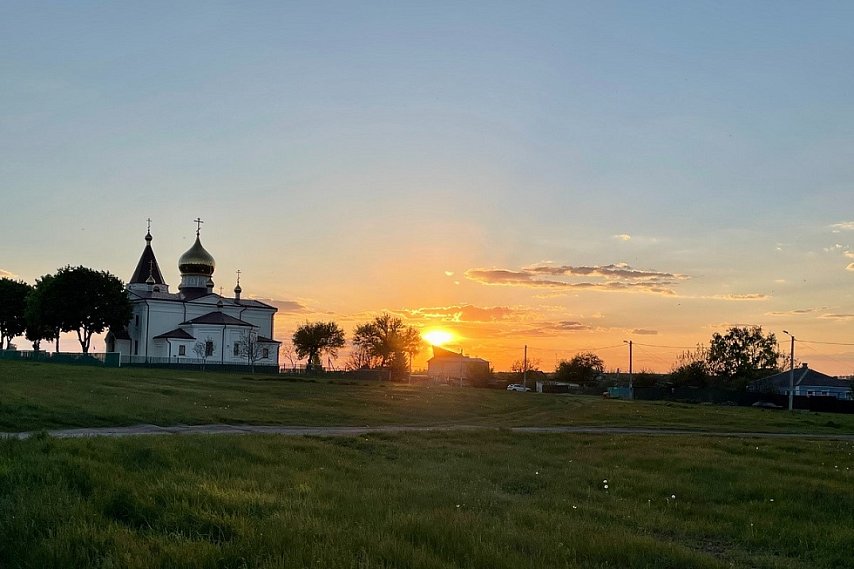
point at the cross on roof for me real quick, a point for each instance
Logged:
(199, 223)
(238, 277)
(149, 224)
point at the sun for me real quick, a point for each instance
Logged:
(437, 336)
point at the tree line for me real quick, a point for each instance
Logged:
(382, 343)
(73, 299)
(731, 360)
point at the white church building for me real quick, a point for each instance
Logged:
(194, 324)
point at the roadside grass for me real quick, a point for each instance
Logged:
(426, 500)
(36, 396)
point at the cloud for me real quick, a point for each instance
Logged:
(548, 329)
(464, 313)
(615, 278)
(4, 274)
(287, 306)
(850, 267)
(837, 316)
(843, 226)
(741, 297)
(796, 312)
(623, 237)
(644, 332)
(613, 271)
(449, 273)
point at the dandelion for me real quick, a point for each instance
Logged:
(575, 507)
(459, 506)
(673, 496)
(771, 500)
(537, 472)
(606, 486)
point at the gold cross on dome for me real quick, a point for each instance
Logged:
(199, 223)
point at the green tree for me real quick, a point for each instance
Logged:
(691, 369)
(13, 302)
(743, 354)
(583, 368)
(315, 338)
(40, 315)
(88, 302)
(388, 341)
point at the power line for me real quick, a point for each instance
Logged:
(668, 347)
(825, 343)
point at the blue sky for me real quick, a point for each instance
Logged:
(345, 156)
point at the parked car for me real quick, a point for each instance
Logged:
(517, 387)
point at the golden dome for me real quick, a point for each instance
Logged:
(196, 261)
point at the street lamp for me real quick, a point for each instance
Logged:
(791, 371)
(629, 342)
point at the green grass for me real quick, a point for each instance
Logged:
(48, 396)
(425, 500)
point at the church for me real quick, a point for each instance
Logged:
(194, 324)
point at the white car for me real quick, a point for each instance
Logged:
(517, 387)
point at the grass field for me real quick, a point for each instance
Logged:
(426, 500)
(48, 396)
(480, 498)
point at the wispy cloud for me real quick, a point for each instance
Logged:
(4, 274)
(614, 278)
(796, 312)
(843, 226)
(644, 332)
(286, 306)
(549, 329)
(837, 316)
(623, 237)
(741, 297)
(850, 267)
(464, 313)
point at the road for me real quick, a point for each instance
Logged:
(296, 431)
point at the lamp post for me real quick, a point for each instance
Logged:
(791, 371)
(631, 379)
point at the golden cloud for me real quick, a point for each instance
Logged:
(4, 274)
(464, 313)
(616, 278)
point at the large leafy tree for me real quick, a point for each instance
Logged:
(13, 302)
(583, 368)
(88, 302)
(387, 340)
(41, 313)
(743, 353)
(313, 339)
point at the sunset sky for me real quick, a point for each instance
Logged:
(566, 175)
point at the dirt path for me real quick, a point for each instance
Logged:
(145, 430)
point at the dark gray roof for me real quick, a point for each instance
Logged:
(264, 340)
(218, 318)
(804, 377)
(147, 266)
(176, 334)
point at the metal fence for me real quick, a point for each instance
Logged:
(108, 359)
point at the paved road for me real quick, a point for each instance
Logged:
(140, 430)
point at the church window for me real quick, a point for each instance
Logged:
(265, 353)
(209, 348)
(236, 348)
(136, 347)
(136, 320)
(182, 350)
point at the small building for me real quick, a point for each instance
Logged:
(807, 383)
(446, 364)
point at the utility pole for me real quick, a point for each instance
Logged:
(525, 368)
(631, 378)
(791, 371)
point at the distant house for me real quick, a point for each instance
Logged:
(446, 364)
(807, 382)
